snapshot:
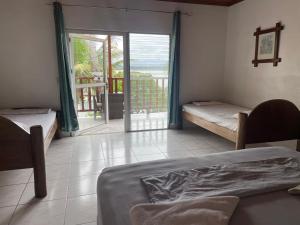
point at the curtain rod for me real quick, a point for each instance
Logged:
(118, 8)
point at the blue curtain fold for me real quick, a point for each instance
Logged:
(67, 115)
(175, 119)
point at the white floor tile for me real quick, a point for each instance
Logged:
(145, 150)
(173, 146)
(15, 177)
(81, 210)
(40, 213)
(6, 214)
(56, 171)
(58, 157)
(10, 195)
(87, 155)
(56, 189)
(143, 158)
(87, 168)
(61, 145)
(117, 153)
(84, 185)
(121, 161)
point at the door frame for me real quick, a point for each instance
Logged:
(126, 68)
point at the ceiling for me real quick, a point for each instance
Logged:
(207, 2)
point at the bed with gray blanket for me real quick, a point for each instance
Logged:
(120, 188)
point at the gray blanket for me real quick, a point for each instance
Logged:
(236, 179)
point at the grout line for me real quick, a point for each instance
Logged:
(12, 216)
(9, 185)
(67, 194)
(10, 220)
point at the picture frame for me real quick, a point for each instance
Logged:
(267, 45)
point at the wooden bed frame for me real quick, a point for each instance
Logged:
(271, 121)
(20, 149)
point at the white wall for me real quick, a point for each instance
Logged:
(28, 65)
(246, 85)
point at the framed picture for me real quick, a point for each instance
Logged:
(267, 45)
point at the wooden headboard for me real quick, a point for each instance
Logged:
(274, 120)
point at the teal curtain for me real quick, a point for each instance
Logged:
(175, 119)
(67, 114)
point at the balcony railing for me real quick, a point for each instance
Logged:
(148, 94)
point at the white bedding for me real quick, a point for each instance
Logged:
(220, 114)
(120, 188)
(210, 211)
(46, 120)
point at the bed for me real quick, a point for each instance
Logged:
(119, 188)
(25, 135)
(274, 120)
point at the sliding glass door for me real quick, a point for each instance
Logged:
(148, 75)
(98, 77)
(114, 73)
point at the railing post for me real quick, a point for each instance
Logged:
(89, 98)
(81, 94)
(156, 81)
(150, 95)
(116, 86)
(144, 93)
(163, 95)
(110, 79)
(137, 95)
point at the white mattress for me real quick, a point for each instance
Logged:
(221, 114)
(46, 120)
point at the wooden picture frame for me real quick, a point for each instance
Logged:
(267, 45)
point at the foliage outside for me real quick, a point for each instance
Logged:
(148, 94)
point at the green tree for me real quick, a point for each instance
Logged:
(148, 93)
(82, 62)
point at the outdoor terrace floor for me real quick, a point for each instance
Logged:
(152, 121)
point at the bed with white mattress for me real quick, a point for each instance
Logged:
(274, 120)
(46, 120)
(221, 114)
(25, 135)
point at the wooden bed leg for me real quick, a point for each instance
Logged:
(298, 145)
(241, 132)
(38, 158)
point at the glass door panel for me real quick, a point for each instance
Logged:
(149, 71)
(99, 81)
(89, 69)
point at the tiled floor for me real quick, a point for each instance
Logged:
(73, 165)
(139, 121)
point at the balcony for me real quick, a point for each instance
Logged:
(148, 106)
